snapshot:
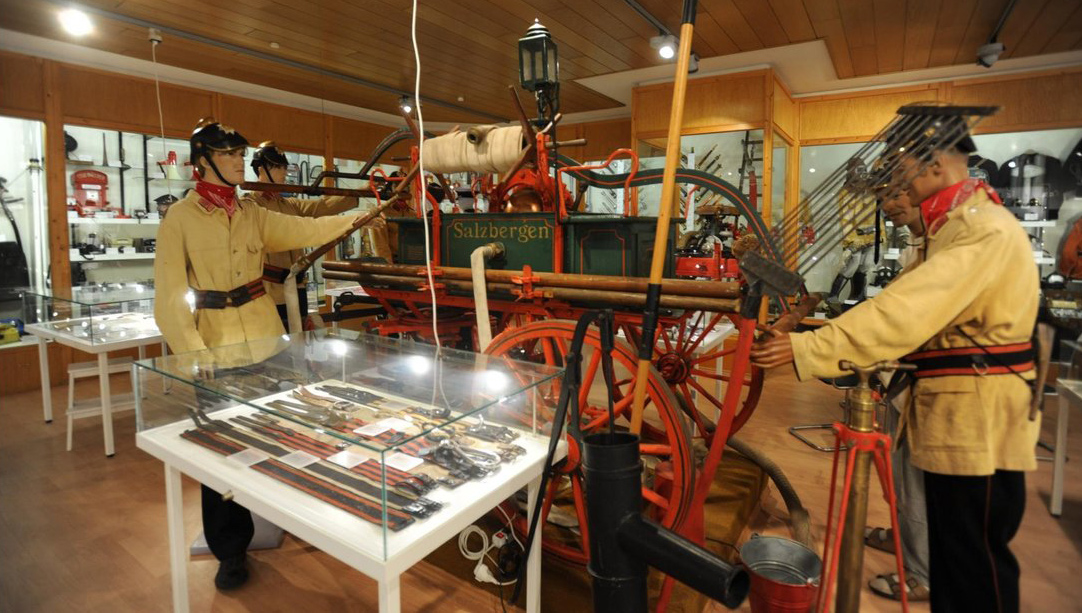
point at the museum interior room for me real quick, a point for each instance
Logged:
(551, 305)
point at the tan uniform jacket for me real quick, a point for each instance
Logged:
(978, 275)
(299, 207)
(206, 250)
(857, 214)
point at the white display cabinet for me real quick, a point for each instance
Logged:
(375, 450)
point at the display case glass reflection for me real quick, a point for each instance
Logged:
(95, 313)
(391, 432)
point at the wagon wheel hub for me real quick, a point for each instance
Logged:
(673, 367)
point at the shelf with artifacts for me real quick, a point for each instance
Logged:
(375, 450)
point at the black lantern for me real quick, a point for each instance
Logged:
(538, 66)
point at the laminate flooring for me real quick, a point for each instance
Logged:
(80, 532)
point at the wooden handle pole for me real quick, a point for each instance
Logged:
(661, 237)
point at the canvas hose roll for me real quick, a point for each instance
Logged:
(479, 149)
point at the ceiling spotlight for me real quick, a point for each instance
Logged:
(75, 22)
(989, 54)
(665, 45)
(404, 102)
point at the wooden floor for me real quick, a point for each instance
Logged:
(80, 532)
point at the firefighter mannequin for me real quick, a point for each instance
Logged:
(212, 245)
(968, 313)
(270, 164)
(858, 220)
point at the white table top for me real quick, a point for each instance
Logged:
(120, 333)
(355, 541)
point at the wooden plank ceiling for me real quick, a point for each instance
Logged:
(468, 47)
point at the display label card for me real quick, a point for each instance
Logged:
(394, 423)
(393, 405)
(248, 457)
(403, 461)
(347, 459)
(373, 429)
(299, 459)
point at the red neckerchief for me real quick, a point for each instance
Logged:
(934, 209)
(220, 196)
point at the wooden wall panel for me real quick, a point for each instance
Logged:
(784, 110)
(355, 140)
(103, 99)
(22, 91)
(1027, 103)
(713, 104)
(290, 128)
(854, 117)
(602, 138)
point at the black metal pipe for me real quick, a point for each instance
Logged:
(612, 468)
(623, 543)
(683, 560)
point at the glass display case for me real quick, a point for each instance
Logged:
(378, 440)
(95, 314)
(24, 245)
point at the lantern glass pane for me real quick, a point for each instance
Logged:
(539, 68)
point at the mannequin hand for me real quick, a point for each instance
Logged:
(772, 352)
(785, 324)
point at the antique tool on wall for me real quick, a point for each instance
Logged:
(668, 191)
(864, 445)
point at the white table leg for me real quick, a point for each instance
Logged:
(1056, 504)
(142, 356)
(46, 386)
(165, 380)
(390, 598)
(533, 564)
(106, 403)
(178, 558)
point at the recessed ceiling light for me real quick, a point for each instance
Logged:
(811, 170)
(75, 22)
(461, 99)
(275, 45)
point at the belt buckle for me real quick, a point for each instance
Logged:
(980, 365)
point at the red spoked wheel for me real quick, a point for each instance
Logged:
(666, 450)
(687, 344)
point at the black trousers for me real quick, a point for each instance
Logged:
(227, 526)
(302, 296)
(971, 521)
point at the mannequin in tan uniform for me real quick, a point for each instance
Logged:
(270, 163)
(858, 221)
(212, 246)
(965, 317)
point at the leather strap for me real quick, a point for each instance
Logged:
(213, 299)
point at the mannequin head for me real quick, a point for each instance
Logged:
(217, 152)
(276, 174)
(901, 212)
(947, 167)
(270, 163)
(230, 165)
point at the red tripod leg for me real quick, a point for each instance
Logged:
(886, 480)
(836, 546)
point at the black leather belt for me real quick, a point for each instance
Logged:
(213, 299)
(986, 360)
(277, 274)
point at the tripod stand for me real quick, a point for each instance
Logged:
(865, 446)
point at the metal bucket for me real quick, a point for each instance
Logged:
(784, 574)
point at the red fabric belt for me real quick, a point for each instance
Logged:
(987, 360)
